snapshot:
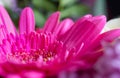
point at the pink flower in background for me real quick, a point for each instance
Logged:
(108, 66)
(56, 47)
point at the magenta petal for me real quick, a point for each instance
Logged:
(107, 36)
(84, 31)
(2, 33)
(32, 74)
(6, 21)
(95, 47)
(13, 76)
(27, 21)
(52, 22)
(68, 34)
(99, 22)
(94, 51)
(64, 26)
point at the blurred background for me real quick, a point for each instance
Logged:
(68, 8)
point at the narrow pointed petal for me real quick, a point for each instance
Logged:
(6, 21)
(64, 26)
(27, 21)
(52, 22)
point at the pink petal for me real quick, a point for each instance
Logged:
(107, 36)
(6, 21)
(32, 74)
(94, 51)
(99, 21)
(84, 31)
(13, 76)
(3, 33)
(7, 46)
(64, 26)
(52, 22)
(95, 46)
(2, 56)
(67, 35)
(27, 21)
(39, 30)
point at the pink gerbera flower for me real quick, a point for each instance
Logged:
(59, 46)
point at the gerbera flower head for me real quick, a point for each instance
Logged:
(56, 47)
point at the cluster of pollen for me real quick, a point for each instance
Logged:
(32, 56)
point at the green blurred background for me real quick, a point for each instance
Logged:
(43, 8)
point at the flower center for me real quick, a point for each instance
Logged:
(33, 47)
(32, 56)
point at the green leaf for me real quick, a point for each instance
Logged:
(14, 16)
(45, 4)
(39, 18)
(74, 11)
(66, 2)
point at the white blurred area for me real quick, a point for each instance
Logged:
(12, 4)
(112, 24)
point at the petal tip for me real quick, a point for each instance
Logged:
(27, 20)
(102, 17)
(27, 9)
(56, 13)
(88, 15)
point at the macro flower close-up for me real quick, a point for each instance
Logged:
(29, 52)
